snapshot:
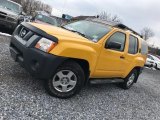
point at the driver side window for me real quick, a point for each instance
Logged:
(116, 42)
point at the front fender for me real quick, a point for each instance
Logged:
(79, 51)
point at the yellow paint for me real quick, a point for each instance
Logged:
(103, 63)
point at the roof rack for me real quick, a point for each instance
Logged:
(122, 26)
(110, 23)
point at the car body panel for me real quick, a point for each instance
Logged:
(153, 61)
(8, 18)
(103, 63)
(150, 63)
(115, 66)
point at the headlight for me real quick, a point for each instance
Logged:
(45, 45)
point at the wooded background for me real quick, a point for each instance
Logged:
(30, 6)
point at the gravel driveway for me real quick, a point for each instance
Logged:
(23, 97)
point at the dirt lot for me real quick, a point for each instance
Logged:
(23, 97)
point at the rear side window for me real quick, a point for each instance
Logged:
(133, 45)
(144, 48)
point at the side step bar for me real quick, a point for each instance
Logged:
(105, 81)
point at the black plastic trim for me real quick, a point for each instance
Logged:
(38, 63)
(39, 32)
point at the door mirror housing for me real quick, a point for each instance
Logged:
(113, 45)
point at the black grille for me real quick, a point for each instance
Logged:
(25, 33)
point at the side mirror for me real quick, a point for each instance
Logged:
(113, 45)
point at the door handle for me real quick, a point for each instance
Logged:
(122, 57)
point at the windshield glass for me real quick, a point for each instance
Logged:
(46, 19)
(93, 31)
(10, 6)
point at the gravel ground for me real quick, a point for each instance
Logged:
(23, 97)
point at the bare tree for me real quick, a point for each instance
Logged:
(109, 17)
(147, 33)
(30, 6)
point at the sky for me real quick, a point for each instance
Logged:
(136, 14)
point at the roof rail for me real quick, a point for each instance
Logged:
(122, 26)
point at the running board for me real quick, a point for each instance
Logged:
(104, 81)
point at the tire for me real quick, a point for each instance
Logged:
(156, 67)
(130, 79)
(151, 66)
(67, 80)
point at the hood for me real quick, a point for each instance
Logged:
(8, 12)
(60, 33)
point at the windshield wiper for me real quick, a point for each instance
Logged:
(79, 33)
(64, 27)
(75, 32)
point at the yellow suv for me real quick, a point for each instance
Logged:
(70, 56)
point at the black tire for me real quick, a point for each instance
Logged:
(125, 84)
(79, 73)
(156, 67)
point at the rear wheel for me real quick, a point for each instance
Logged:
(156, 67)
(67, 80)
(130, 79)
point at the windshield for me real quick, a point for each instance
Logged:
(93, 31)
(10, 6)
(46, 19)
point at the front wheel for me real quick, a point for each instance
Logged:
(130, 79)
(67, 80)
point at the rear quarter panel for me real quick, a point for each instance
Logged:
(137, 60)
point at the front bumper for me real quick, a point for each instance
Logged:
(38, 63)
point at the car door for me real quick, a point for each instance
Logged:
(132, 53)
(112, 58)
